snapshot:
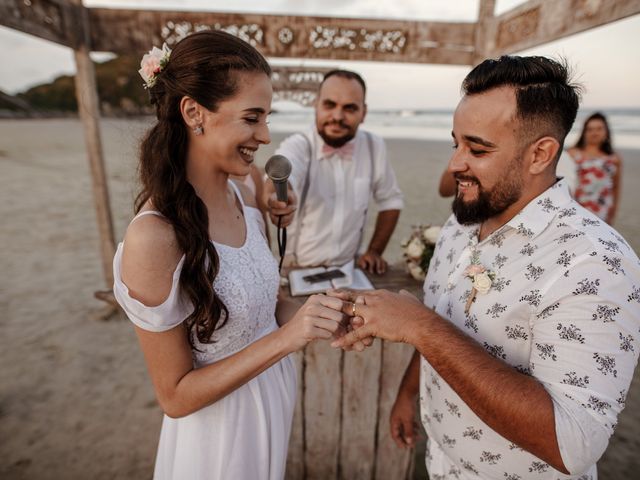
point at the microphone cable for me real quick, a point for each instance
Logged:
(282, 241)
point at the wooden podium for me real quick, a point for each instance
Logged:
(341, 422)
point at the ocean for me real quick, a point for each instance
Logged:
(436, 124)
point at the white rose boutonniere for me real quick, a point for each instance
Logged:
(482, 282)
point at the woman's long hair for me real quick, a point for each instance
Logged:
(203, 66)
(605, 146)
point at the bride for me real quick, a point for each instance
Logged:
(196, 277)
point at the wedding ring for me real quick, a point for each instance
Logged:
(353, 310)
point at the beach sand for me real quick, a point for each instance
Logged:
(75, 398)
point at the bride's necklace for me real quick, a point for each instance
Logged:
(232, 210)
(234, 202)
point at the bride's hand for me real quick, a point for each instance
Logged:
(319, 318)
(352, 323)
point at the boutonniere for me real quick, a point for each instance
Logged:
(482, 281)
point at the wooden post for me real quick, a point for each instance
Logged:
(391, 460)
(87, 96)
(485, 20)
(361, 385)
(322, 402)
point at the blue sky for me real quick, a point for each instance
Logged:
(606, 60)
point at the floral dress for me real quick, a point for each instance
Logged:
(595, 183)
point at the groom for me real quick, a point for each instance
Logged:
(528, 337)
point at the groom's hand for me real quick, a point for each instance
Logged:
(352, 323)
(402, 421)
(390, 316)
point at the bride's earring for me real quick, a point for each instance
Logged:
(198, 130)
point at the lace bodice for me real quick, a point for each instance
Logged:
(247, 283)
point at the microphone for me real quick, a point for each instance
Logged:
(278, 169)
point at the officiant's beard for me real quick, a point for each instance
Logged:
(337, 142)
(489, 203)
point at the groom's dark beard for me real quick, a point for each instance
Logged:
(489, 203)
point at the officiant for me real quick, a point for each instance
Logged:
(336, 169)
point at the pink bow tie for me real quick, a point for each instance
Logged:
(345, 152)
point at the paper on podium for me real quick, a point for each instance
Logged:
(354, 278)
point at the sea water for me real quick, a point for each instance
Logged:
(437, 124)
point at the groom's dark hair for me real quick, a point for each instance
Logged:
(546, 99)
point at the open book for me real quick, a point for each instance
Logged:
(353, 278)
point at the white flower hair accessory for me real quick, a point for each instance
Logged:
(153, 63)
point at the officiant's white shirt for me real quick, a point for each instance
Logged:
(334, 213)
(564, 307)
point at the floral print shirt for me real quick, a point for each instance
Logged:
(564, 307)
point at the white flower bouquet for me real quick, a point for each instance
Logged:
(418, 249)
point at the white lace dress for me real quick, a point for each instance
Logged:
(244, 435)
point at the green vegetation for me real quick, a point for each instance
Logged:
(119, 88)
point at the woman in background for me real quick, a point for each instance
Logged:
(196, 277)
(598, 169)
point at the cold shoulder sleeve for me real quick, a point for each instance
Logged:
(170, 313)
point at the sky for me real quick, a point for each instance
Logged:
(606, 60)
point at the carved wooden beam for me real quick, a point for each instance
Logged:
(297, 84)
(134, 31)
(540, 21)
(53, 20)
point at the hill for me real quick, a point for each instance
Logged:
(119, 89)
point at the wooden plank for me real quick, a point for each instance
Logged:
(391, 461)
(361, 377)
(538, 21)
(87, 96)
(322, 395)
(483, 28)
(53, 20)
(127, 31)
(295, 456)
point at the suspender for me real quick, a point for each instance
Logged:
(307, 183)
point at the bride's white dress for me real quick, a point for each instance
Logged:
(244, 435)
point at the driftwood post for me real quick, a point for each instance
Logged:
(87, 96)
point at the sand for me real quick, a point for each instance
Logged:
(75, 399)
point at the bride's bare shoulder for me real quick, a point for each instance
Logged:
(150, 256)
